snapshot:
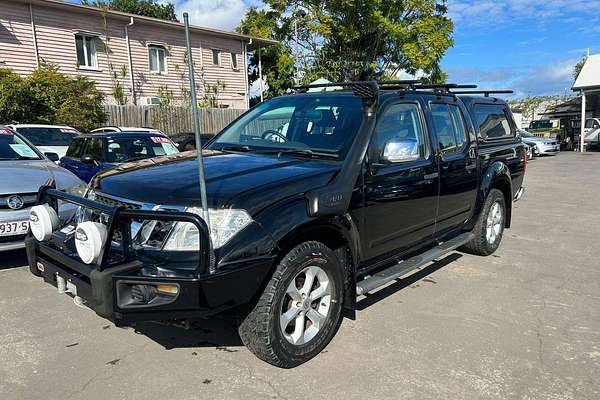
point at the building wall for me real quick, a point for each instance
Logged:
(56, 28)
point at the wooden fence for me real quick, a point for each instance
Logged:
(171, 120)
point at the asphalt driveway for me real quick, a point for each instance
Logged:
(522, 324)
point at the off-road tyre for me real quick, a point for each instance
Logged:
(480, 245)
(260, 330)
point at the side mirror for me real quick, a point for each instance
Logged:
(87, 159)
(52, 156)
(400, 150)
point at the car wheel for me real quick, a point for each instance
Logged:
(300, 310)
(490, 225)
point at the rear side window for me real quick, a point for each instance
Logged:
(492, 121)
(74, 149)
(444, 124)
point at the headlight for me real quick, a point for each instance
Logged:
(224, 224)
(78, 189)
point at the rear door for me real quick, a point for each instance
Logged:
(400, 198)
(457, 159)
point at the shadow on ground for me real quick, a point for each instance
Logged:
(13, 259)
(219, 332)
(371, 299)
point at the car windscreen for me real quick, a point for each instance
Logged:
(324, 124)
(122, 149)
(49, 136)
(13, 147)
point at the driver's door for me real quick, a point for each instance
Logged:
(400, 198)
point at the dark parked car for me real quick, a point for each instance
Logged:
(89, 154)
(344, 192)
(187, 141)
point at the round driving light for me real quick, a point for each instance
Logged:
(89, 240)
(43, 220)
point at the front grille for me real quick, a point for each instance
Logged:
(113, 202)
(28, 200)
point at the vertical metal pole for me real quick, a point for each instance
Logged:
(581, 136)
(129, 61)
(196, 122)
(260, 76)
(34, 37)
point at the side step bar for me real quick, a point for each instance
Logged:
(404, 267)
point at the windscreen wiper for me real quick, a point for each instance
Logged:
(241, 147)
(307, 153)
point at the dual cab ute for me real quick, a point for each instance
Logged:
(314, 198)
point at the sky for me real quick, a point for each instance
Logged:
(530, 46)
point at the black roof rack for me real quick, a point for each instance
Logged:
(486, 93)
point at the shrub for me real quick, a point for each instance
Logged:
(49, 97)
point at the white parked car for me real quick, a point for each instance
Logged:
(545, 146)
(48, 138)
(592, 130)
(108, 129)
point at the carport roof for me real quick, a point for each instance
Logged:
(589, 77)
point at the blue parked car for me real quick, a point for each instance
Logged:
(89, 154)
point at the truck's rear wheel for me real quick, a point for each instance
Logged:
(300, 310)
(490, 225)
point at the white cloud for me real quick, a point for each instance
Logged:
(221, 14)
(546, 79)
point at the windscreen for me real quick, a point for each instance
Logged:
(325, 124)
(13, 147)
(49, 136)
(122, 149)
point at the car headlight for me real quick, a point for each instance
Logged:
(78, 189)
(224, 224)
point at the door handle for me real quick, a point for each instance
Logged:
(471, 166)
(431, 176)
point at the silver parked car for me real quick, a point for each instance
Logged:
(545, 146)
(23, 169)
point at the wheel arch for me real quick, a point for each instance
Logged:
(497, 176)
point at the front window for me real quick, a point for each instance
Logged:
(324, 124)
(157, 59)
(49, 136)
(12, 147)
(86, 51)
(122, 149)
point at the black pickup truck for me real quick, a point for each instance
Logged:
(314, 198)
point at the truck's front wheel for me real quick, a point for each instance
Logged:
(490, 225)
(300, 309)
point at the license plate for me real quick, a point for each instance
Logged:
(14, 228)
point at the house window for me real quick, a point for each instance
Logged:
(216, 57)
(157, 59)
(234, 63)
(86, 51)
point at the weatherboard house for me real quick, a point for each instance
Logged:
(144, 55)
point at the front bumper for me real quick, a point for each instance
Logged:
(111, 288)
(102, 290)
(549, 149)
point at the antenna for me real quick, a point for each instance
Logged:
(197, 133)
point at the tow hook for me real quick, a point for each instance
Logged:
(65, 286)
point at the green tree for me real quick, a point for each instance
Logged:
(578, 67)
(14, 97)
(277, 61)
(358, 39)
(147, 8)
(49, 97)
